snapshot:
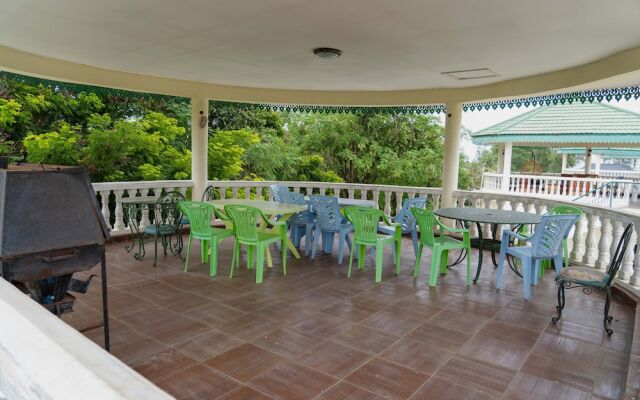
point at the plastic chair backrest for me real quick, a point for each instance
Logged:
(277, 191)
(327, 211)
(244, 220)
(209, 194)
(293, 198)
(166, 210)
(563, 210)
(405, 217)
(365, 222)
(425, 220)
(199, 215)
(621, 248)
(547, 238)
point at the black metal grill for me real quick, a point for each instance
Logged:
(50, 228)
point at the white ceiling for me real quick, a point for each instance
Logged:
(387, 45)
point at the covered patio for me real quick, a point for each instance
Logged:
(316, 334)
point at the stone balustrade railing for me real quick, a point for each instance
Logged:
(386, 196)
(594, 191)
(593, 239)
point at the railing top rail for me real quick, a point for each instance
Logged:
(342, 185)
(549, 177)
(141, 184)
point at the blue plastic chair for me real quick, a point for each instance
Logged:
(546, 244)
(329, 221)
(278, 191)
(406, 220)
(302, 223)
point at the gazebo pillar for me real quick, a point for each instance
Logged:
(199, 145)
(587, 161)
(506, 166)
(451, 159)
(564, 163)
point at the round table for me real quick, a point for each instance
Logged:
(487, 216)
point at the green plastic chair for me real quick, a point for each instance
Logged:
(245, 227)
(365, 221)
(200, 215)
(564, 210)
(440, 245)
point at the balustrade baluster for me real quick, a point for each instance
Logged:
(387, 203)
(376, 198)
(578, 242)
(634, 279)
(247, 192)
(119, 222)
(604, 245)
(223, 193)
(104, 199)
(234, 192)
(626, 269)
(398, 202)
(145, 221)
(591, 252)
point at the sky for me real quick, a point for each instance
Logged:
(476, 120)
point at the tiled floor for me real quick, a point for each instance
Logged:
(315, 334)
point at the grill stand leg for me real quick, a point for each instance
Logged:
(105, 302)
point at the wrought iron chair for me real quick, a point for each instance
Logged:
(209, 193)
(365, 221)
(167, 223)
(591, 278)
(439, 245)
(245, 228)
(132, 213)
(406, 220)
(329, 221)
(302, 223)
(546, 243)
(200, 214)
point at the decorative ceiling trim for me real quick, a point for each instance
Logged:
(79, 87)
(325, 109)
(596, 95)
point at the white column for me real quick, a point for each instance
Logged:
(500, 157)
(564, 163)
(506, 165)
(587, 161)
(451, 161)
(199, 145)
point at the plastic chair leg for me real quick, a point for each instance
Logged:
(362, 255)
(213, 265)
(526, 274)
(443, 262)
(558, 264)
(186, 263)
(341, 241)
(537, 267)
(204, 255)
(250, 257)
(234, 258)
(469, 266)
(259, 263)
(350, 264)
(284, 250)
(379, 254)
(416, 268)
(435, 263)
(397, 248)
(414, 239)
(307, 239)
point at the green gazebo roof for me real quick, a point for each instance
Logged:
(608, 152)
(576, 124)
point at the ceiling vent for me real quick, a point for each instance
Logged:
(477, 73)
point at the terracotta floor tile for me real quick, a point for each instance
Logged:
(334, 359)
(527, 386)
(346, 391)
(245, 362)
(207, 345)
(447, 339)
(248, 327)
(366, 339)
(292, 382)
(159, 365)
(501, 345)
(334, 327)
(436, 388)
(386, 379)
(476, 375)
(244, 393)
(197, 382)
(418, 355)
(322, 325)
(286, 342)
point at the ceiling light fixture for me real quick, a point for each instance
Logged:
(327, 53)
(477, 73)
